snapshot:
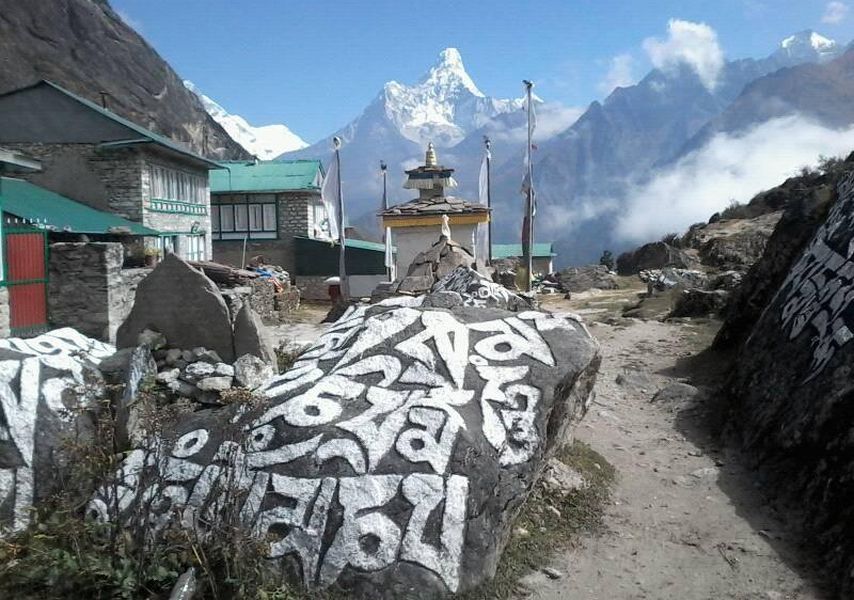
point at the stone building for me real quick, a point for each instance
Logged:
(274, 209)
(91, 155)
(416, 225)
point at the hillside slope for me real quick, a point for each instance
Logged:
(84, 46)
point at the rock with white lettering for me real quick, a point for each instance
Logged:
(792, 391)
(184, 305)
(391, 459)
(47, 385)
(478, 290)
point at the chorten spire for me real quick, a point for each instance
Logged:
(430, 159)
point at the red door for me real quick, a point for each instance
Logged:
(26, 279)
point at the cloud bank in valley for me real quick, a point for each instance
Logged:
(729, 167)
(688, 43)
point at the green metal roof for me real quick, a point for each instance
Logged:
(147, 136)
(511, 250)
(348, 243)
(267, 176)
(27, 201)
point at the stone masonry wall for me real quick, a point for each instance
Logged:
(4, 312)
(295, 218)
(88, 290)
(105, 181)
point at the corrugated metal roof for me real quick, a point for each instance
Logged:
(27, 201)
(267, 176)
(511, 250)
(149, 135)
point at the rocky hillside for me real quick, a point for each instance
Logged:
(85, 47)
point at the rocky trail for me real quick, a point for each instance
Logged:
(686, 520)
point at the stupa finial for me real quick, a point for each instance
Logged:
(430, 159)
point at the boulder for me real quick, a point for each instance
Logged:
(655, 255)
(184, 305)
(50, 388)
(477, 290)
(128, 368)
(581, 279)
(733, 243)
(792, 389)
(196, 371)
(700, 303)
(251, 372)
(168, 376)
(391, 459)
(214, 384)
(250, 336)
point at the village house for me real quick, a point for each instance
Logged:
(273, 210)
(542, 258)
(93, 156)
(416, 225)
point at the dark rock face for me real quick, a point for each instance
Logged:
(66, 41)
(182, 304)
(655, 255)
(44, 382)
(801, 218)
(792, 391)
(393, 457)
(581, 279)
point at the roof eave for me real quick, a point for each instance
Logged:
(183, 154)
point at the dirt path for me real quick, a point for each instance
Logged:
(686, 521)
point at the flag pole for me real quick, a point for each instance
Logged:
(342, 268)
(488, 145)
(384, 171)
(529, 201)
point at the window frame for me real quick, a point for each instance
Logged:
(266, 213)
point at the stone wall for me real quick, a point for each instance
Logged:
(311, 287)
(88, 290)
(105, 181)
(4, 312)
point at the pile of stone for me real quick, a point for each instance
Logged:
(660, 280)
(201, 374)
(581, 279)
(432, 265)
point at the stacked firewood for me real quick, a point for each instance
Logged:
(223, 274)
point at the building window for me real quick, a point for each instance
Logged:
(239, 216)
(194, 247)
(178, 186)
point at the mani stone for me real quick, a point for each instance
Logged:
(184, 305)
(791, 393)
(393, 457)
(50, 387)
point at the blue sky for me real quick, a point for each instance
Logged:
(315, 65)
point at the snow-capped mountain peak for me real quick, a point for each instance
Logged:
(808, 44)
(444, 106)
(266, 142)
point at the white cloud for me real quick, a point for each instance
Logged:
(692, 44)
(620, 73)
(727, 168)
(552, 118)
(834, 12)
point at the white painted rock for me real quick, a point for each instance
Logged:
(223, 370)
(167, 376)
(393, 456)
(44, 381)
(196, 371)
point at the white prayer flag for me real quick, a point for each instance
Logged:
(389, 253)
(482, 240)
(329, 198)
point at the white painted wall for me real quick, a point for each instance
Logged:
(412, 241)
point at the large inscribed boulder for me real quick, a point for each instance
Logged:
(184, 305)
(46, 383)
(392, 458)
(793, 391)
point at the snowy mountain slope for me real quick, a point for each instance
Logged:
(266, 142)
(445, 106)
